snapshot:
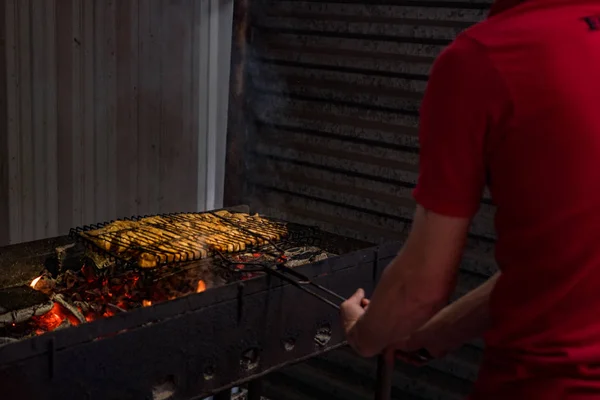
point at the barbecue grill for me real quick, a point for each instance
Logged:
(250, 320)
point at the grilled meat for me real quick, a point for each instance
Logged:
(181, 237)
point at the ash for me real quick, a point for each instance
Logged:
(298, 256)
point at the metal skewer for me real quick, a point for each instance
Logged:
(301, 285)
(285, 274)
(306, 280)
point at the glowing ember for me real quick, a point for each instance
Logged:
(35, 281)
(90, 293)
(93, 296)
(52, 319)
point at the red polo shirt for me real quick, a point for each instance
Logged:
(514, 103)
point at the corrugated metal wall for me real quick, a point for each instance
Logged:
(4, 220)
(335, 89)
(114, 108)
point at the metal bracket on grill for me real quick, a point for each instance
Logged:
(289, 275)
(279, 270)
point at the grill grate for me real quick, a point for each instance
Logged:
(270, 256)
(165, 230)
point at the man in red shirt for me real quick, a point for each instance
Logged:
(514, 104)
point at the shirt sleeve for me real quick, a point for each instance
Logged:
(465, 98)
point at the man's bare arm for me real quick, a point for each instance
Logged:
(464, 320)
(415, 286)
(452, 174)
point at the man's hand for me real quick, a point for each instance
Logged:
(351, 311)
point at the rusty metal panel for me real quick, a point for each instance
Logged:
(4, 174)
(335, 89)
(103, 110)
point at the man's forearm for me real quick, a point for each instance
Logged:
(465, 319)
(398, 307)
(416, 284)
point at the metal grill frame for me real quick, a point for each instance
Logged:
(125, 356)
(300, 234)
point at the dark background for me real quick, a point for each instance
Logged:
(333, 92)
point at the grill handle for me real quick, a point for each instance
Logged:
(385, 370)
(302, 286)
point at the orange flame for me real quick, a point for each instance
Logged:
(52, 319)
(201, 286)
(35, 281)
(146, 303)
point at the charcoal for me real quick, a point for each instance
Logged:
(100, 261)
(115, 307)
(89, 284)
(320, 257)
(69, 279)
(45, 283)
(60, 299)
(20, 303)
(298, 256)
(64, 324)
(84, 306)
(69, 256)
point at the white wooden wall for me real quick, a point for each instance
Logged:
(113, 108)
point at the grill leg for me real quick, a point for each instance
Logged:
(383, 391)
(255, 390)
(224, 395)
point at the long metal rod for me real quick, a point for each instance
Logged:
(300, 286)
(385, 371)
(310, 282)
(255, 390)
(282, 272)
(282, 269)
